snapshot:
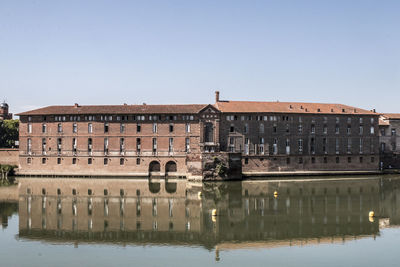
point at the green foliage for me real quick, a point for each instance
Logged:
(6, 173)
(8, 133)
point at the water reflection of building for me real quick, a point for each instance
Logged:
(177, 212)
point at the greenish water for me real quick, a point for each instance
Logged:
(307, 223)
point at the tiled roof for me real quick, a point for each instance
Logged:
(116, 109)
(288, 107)
(392, 116)
(383, 121)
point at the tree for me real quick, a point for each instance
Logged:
(8, 133)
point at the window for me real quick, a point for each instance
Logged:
(325, 160)
(348, 120)
(287, 128)
(89, 192)
(325, 131)
(171, 128)
(393, 146)
(138, 145)
(74, 161)
(74, 146)
(361, 120)
(337, 146)
(90, 128)
(90, 160)
(274, 128)
(246, 128)
(187, 127)
(300, 143)
(59, 145)
(261, 128)
(43, 160)
(122, 128)
(348, 129)
(300, 129)
(138, 128)
(154, 127)
(246, 161)
(58, 160)
(105, 192)
(154, 145)
(90, 145)
(138, 161)
(105, 161)
(29, 146)
(383, 131)
(287, 161)
(312, 128)
(171, 145)
(300, 160)
(122, 145)
(44, 128)
(106, 127)
(361, 130)
(337, 129)
(287, 146)
(105, 146)
(275, 146)
(324, 145)
(361, 146)
(313, 160)
(312, 145)
(187, 144)
(74, 192)
(121, 192)
(361, 159)
(348, 159)
(29, 118)
(29, 160)
(74, 127)
(337, 160)
(349, 145)
(29, 128)
(393, 132)
(232, 129)
(44, 146)
(121, 161)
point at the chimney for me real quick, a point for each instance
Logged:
(216, 96)
(76, 105)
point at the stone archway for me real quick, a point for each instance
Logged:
(170, 167)
(154, 166)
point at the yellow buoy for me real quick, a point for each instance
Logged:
(199, 195)
(371, 219)
(214, 212)
(276, 194)
(371, 214)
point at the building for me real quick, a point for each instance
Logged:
(4, 114)
(389, 140)
(253, 138)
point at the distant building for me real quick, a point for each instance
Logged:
(183, 140)
(389, 140)
(4, 114)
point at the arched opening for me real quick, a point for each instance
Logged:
(154, 187)
(170, 167)
(154, 167)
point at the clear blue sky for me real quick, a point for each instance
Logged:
(114, 52)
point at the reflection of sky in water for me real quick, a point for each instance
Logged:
(241, 234)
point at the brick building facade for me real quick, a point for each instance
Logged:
(389, 140)
(142, 140)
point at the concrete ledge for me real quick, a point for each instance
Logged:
(259, 175)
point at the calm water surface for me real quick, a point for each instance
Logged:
(64, 222)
